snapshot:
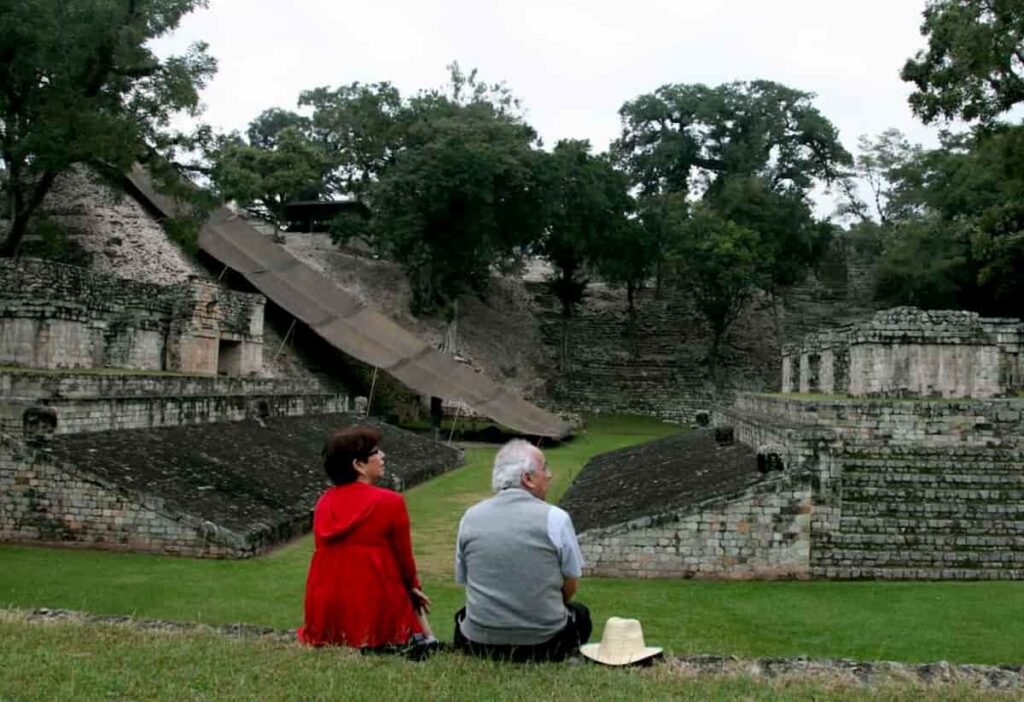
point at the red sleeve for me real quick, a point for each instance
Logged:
(401, 543)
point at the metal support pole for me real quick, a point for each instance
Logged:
(458, 408)
(373, 385)
(284, 341)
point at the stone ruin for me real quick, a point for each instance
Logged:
(59, 316)
(908, 465)
(907, 352)
(101, 447)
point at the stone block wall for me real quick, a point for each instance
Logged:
(907, 352)
(46, 502)
(86, 402)
(655, 363)
(59, 316)
(763, 532)
(926, 489)
(604, 361)
(905, 513)
(925, 370)
(925, 423)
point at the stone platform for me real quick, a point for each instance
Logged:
(217, 490)
(109, 400)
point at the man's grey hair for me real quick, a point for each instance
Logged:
(513, 460)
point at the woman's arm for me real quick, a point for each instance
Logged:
(401, 545)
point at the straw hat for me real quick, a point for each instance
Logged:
(622, 643)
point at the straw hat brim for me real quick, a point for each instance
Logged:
(593, 652)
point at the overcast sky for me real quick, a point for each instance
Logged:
(572, 64)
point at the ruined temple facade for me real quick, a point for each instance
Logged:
(906, 463)
(907, 352)
(58, 316)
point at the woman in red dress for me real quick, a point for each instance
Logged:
(362, 590)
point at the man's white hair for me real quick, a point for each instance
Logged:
(513, 460)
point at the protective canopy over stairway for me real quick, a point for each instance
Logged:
(349, 325)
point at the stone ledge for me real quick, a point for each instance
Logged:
(862, 673)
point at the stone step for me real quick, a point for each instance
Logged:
(944, 541)
(826, 569)
(913, 479)
(905, 557)
(958, 525)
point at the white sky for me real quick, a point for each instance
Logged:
(572, 63)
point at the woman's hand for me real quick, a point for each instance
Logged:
(420, 600)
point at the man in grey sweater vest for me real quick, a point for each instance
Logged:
(520, 562)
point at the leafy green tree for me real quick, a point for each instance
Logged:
(587, 200)
(263, 131)
(958, 238)
(358, 128)
(272, 168)
(626, 258)
(681, 138)
(462, 193)
(925, 264)
(753, 150)
(973, 68)
(721, 263)
(792, 239)
(80, 85)
(887, 165)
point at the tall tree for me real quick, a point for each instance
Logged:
(721, 263)
(79, 85)
(587, 200)
(886, 164)
(789, 233)
(754, 139)
(357, 127)
(681, 138)
(626, 258)
(278, 164)
(956, 237)
(973, 68)
(461, 194)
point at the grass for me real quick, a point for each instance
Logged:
(980, 622)
(67, 660)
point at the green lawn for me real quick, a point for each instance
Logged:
(963, 622)
(70, 661)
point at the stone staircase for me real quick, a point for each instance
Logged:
(912, 512)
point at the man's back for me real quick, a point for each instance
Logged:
(513, 560)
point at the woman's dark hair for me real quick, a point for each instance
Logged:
(345, 446)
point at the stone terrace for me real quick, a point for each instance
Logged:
(85, 401)
(218, 490)
(687, 506)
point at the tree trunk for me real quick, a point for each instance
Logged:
(563, 350)
(631, 319)
(23, 210)
(436, 415)
(716, 339)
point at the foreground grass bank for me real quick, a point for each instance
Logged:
(75, 661)
(914, 622)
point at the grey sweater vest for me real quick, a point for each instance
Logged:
(513, 575)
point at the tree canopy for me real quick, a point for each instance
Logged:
(723, 176)
(586, 202)
(721, 263)
(461, 191)
(278, 164)
(682, 138)
(973, 68)
(79, 85)
(953, 221)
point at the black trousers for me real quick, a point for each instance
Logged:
(565, 643)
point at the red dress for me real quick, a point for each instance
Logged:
(357, 592)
